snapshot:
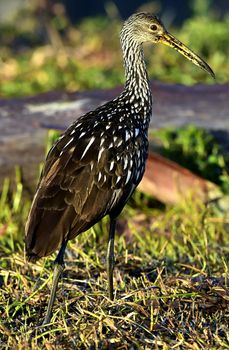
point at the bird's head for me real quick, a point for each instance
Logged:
(144, 27)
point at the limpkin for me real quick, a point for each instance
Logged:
(94, 167)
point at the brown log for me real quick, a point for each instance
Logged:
(172, 183)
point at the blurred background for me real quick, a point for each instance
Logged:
(68, 45)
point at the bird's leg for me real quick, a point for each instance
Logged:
(110, 257)
(58, 269)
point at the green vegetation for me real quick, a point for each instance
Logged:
(197, 150)
(87, 56)
(171, 274)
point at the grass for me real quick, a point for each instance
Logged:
(171, 282)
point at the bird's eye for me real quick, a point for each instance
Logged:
(154, 27)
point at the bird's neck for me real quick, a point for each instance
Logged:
(137, 89)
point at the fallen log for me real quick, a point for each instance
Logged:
(172, 183)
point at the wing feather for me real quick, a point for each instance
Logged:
(83, 180)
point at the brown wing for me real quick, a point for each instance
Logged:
(79, 185)
(91, 171)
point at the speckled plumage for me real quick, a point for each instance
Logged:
(96, 165)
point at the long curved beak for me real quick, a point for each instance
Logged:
(168, 39)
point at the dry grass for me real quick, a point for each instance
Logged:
(170, 279)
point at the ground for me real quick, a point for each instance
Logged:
(171, 285)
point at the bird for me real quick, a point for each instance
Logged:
(96, 164)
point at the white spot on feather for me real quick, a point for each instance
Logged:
(119, 143)
(111, 165)
(68, 143)
(125, 162)
(100, 153)
(128, 176)
(88, 146)
(136, 132)
(127, 135)
(82, 134)
(118, 179)
(102, 141)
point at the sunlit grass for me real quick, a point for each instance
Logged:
(171, 282)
